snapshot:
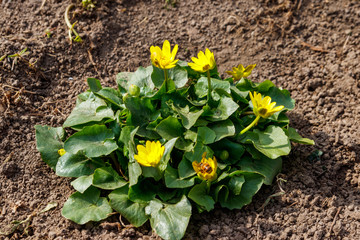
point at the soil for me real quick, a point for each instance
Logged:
(309, 47)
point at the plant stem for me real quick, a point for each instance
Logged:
(251, 125)
(117, 165)
(166, 79)
(209, 85)
(208, 184)
(248, 113)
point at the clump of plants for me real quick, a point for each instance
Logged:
(173, 138)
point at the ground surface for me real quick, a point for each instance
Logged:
(308, 47)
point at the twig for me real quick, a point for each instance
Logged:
(346, 41)
(333, 223)
(8, 158)
(42, 4)
(314, 48)
(124, 225)
(5, 85)
(6, 100)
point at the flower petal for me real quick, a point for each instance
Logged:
(166, 48)
(174, 51)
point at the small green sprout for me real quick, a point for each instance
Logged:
(88, 4)
(71, 30)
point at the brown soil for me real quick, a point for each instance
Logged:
(308, 47)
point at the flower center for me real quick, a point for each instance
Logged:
(206, 67)
(262, 111)
(205, 168)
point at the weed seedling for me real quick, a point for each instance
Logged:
(71, 30)
(88, 4)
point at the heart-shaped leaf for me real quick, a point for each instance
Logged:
(94, 141)
(86, 207)
(132, 211)
(48, 142)
(169, 220)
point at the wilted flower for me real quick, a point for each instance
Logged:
(61, 152)
(263, 107)
(164, 58)
(206, 169)
(149, 155)
(204, 62)
(240, 72)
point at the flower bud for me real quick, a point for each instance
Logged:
(224, 155)
(134, 90)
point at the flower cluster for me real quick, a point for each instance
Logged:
(172, 136)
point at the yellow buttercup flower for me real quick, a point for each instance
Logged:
(164, 58)
(240, 72)
(263, 107)
(150, 154)
(206, 169)
(61, 152)
(204, 62)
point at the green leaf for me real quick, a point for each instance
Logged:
(250, 187)
(177, 74)
(197, 152)
(82, 183)
(143, 192)
(236, 183)
(75, 165)
(133, 166)
(133, 212)
(199, 195)
(221, 192)
(188, 118)
(93, 109)
(224, 110)
(170, 128)
(223, 129)
(48, 142)
(94, 141)
(185, 168)
(264, 86)
(122, 80)
(169, 220)
(142, 78)
(110, 95)
(201, 86)
(190, 135)
(94, 84)
(295, 137)
(152, 172)
(167, 154)
(107, 178)
(235, 150)
(265, 166)
(172, 179)
(206, 135)
(273, 142)
(125, 135)
(142, 113)
(86, 207)
(281, 97)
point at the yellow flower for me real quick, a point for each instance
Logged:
(206, 169)
(61, 152)
(204, 62)
(241, 72)
(263, 107)
(164, 58)
(150, 155)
